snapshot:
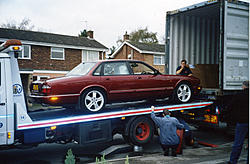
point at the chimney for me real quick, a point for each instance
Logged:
(125, 36)
(90, 34)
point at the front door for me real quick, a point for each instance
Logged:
(149, 84)
(118, 81)
(3, 113)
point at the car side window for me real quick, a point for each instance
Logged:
(98, 71)
(115, 68)
(141, 69)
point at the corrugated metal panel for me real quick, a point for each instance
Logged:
(236, 46)
(193, 37)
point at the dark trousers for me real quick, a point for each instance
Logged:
(167, 147)
(240, 134)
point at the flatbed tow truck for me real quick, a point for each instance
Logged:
(19, 127)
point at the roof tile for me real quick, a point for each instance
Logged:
(49, 38)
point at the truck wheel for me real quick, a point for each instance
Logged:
(141, 131)
(93, 100)
(183, 93)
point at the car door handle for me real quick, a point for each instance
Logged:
(2, 104)
(138, 77)
(107, 78)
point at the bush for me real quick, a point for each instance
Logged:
(70, 158)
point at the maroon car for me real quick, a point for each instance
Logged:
(93, 84)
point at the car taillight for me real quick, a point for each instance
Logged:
(46, 89)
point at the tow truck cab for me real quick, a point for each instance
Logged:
(11, 94)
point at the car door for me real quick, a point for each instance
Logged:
(3, 108)
(118, 81)
(149, 82)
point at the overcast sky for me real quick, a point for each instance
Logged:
(109, 19)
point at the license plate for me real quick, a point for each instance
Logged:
(211, 118)
(35, 88)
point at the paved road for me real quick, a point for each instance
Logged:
(55, 153)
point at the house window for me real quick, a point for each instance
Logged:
(26, 52)
(57, 53)
(90, 56)
(35, 78)
(159, 59)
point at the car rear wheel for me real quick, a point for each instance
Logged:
(183, 93)
(93, 100)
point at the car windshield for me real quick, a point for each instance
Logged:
(81, 69)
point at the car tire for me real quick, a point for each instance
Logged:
(141, 131)
(93, 100)
(182, 93)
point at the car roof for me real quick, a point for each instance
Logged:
(124, 60)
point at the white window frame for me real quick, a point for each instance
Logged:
(87, 51)
(43, 76)
(22, 53)
(39, 77)
(162, 57)
(51, 50)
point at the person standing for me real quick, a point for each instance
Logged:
(184, 69)
(240, 113)
(168, 126)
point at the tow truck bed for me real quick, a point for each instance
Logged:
(63, 116)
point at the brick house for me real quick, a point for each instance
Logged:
(152, 54)
(47, 55)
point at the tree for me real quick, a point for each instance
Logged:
(143, 36)
(112, 50)
(83, 33)
(25, 24)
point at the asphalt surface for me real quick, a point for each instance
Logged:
(151, 153)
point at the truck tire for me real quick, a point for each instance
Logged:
(182, 93)
(141, 131)
(93, 100)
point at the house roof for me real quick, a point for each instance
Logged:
(145, 48)
(151, 47)
(49, 38)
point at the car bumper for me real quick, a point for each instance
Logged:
(56, 99)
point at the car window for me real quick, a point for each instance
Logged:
(115, 68)
(141, 69)
(98, 71)
(81, 69)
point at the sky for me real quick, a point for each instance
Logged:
(109, 19)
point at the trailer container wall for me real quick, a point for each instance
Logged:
(197, 33)
(236, 46)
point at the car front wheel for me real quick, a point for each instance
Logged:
(183, 93)
(93, 100)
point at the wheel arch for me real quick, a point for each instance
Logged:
(183, 81)
(94, 86)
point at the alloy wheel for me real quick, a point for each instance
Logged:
(94, 100)
(184, 93)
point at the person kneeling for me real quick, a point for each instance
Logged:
(168, 136)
